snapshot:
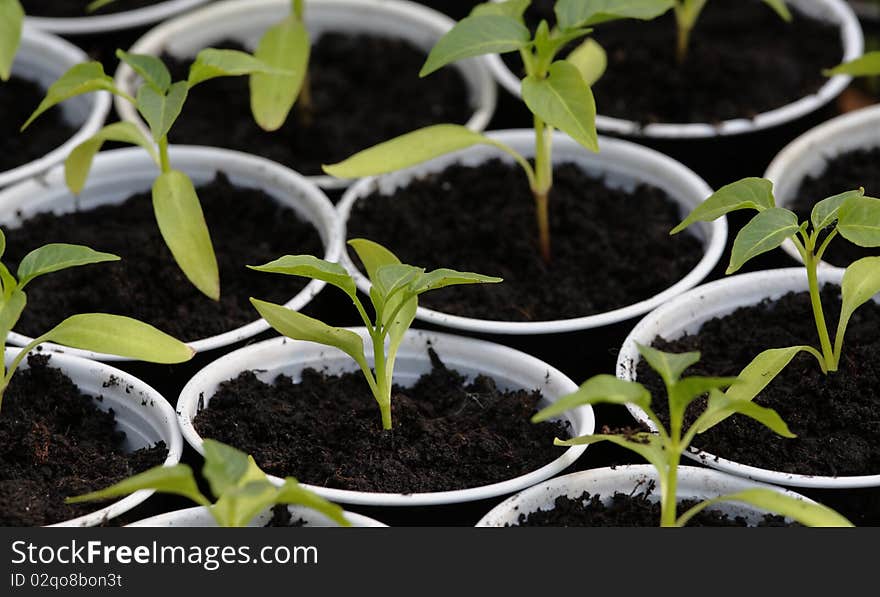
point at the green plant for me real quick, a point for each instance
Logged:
(241, 489)
(866, 65)
(160, 102)
(11, 21)
(97, 332)
(557, 92)
(851, 215)
(663, 449)
(394, 297)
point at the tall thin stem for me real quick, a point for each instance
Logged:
(543, 183)
(818, 314)
(383, 390)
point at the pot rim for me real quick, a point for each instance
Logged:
(200, 515)
(128, 19)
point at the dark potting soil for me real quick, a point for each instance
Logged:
(55, 443)
(281, 517)
(836, 417)
(66, 8)
(743, 60)
(247, 227)
(449, 433)
(364, 90)
(844, 172)
(18, 99)
(611, 248)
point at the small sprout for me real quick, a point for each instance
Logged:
(97, 332)
(664, 448)
(557, 92)
(394, 297)
(11, 20)
(160, 101)
(867, 65)
(241, 489)
(851, 215)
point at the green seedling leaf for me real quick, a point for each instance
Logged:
(748, 193)
(647, 445)
(56, 257)
(858, 221)
(8, 280)
(765, 232)
(514, 9)
(97, 4)
(670, 366)
(176, 480)
(161, 109)
(590, 59)
(182, 224)
(861, 283)
(226, 467)
(722, 406)
(565, 101)
(308, 266)
(408, 150)
(580, 13)
(80, 79)
(781, 9)
(211, 63)
(302, 327)
(79, 163)
(685, 391)
(10, 311)
(601, 389)
(120, 336)
(752, 380)
(2, 243)
(372, 255)
(810, 514)
(867, 65)
(11, 20)
(476, 36)
(286, 47)
(241, 504)
(825, 212)
(293, 493)
(150, 68)
(441, 278)
(393, 277)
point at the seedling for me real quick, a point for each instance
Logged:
(97, 332)
(851, 215)
(160, 102)
(557, 92)
(11, 21)
(241, 489)
(663, 449)
(394, 297)
(866, 65)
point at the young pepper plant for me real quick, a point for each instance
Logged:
(663, 449)
(850, 215)
(11, 21)
(394, 297)
(160, 102)
(556, 91)
(241, 489)
(97, 332)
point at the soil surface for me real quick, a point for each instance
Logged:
(743, 60)
(247, 227)
(844, 172)
(836, 417)
(18, 99)
(635, 510)
(611, 248)
(449, 433)
(55, 443)
(66, 8)
(364, 90)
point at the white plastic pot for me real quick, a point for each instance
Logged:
(509, 368)
(830, 11)
(809, 154)
(694, 483)
(687, 313)
(623, 164)
(103, 23)
(43, 58)
(120, 173)
(246, 20)
(141, 413)
(201, 517)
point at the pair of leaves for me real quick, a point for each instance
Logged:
(241, 489)
(11, 21)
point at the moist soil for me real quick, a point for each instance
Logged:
(18, 99)
(55, 443)
(247, 227)
(364, 90)
(743, 60)
(66, 8)
(449, 433)
(844, 172)
(611, 248)
(836, 417)
(633, 510)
